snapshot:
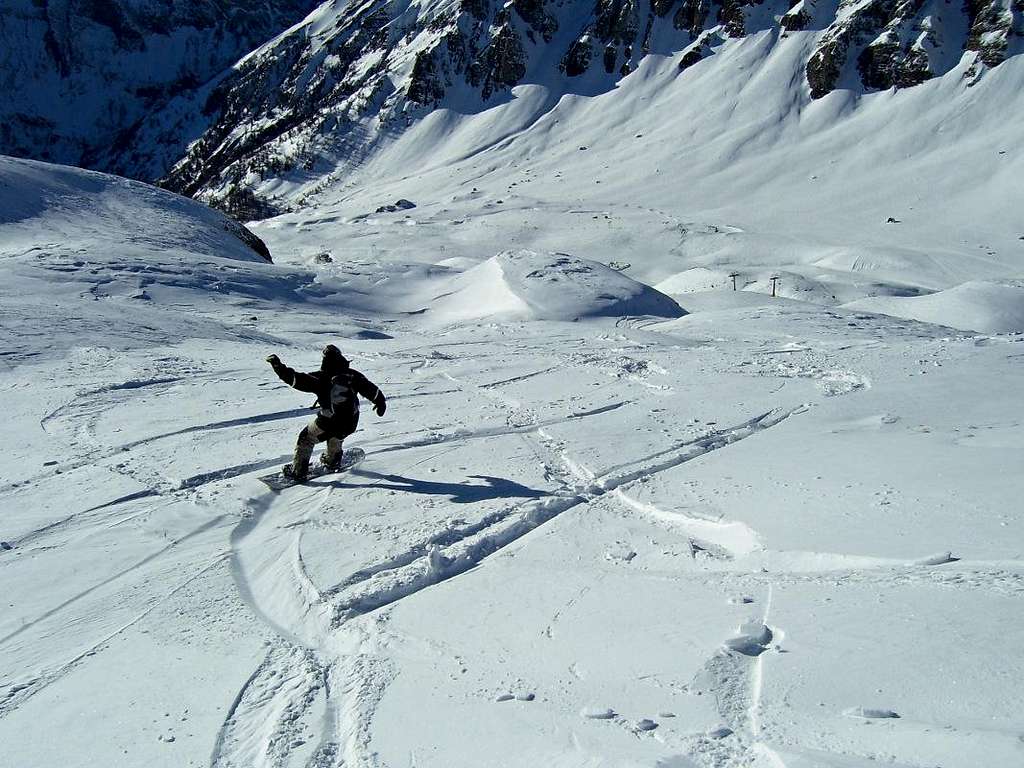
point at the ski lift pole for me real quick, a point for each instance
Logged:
(734, 275)
(775, 282)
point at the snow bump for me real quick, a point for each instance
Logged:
(527, 285)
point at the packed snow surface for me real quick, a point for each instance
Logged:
(617, 513)
(971, 306)
(767, 532)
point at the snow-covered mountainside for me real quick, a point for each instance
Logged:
(771, 531)
(701, 327)
(78, 76)
(146, 88)
(323, 96)
(63, 280)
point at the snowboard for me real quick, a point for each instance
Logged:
(278, 481)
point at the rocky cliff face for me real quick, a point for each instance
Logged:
(905, 43)
(78, 74)
(354, 73)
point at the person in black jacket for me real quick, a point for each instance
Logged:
(337, 388)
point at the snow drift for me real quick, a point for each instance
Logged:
(972, 306)
(526, 285)
(122, 262)
(40, 202)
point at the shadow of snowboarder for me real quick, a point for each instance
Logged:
(458, 493)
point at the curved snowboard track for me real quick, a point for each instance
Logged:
(322, 674)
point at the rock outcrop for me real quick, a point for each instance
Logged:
(78, 75)
(319, 97)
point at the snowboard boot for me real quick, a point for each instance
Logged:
(330, 459)
(289, 471)
(331, 464)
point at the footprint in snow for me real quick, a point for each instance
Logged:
(939, 558)
(620, 552)
(597, 713)
(521, 696)
(870, 713)
(751, 639)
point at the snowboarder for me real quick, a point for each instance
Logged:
(337, 388)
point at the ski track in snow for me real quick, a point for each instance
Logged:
(19, 693)
(316, 628)
(208, 525)
(311, 701)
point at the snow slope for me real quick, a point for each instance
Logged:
(971, 306)
(891, 194)
(113, 261)
(768, 532)
(524, 285)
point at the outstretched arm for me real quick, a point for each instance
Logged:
(300, 381)
(371, 392)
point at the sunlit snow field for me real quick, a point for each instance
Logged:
(617, 514)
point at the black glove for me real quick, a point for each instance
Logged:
(274, 360)
(380, 405)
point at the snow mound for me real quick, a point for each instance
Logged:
(125, 264)
(527, 285)
(42, 204)
(972, 306)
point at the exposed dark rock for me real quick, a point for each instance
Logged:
(732, 17)
(478, 9)
(858, 28)
(534, 13)
(246, 235)
(795, 20)
(320, 99)
(700, 50)
(577, 59)
(885, 64)
(692, 15)
(242, 204)
(129, 58)
(991, 26)
(503, 63)
(426, 86)
(662, 8)
(611, 55)
(399, 205)
(617, 21)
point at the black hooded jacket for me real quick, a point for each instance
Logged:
(336, 390)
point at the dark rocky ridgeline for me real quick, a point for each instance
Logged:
(303, 105)
(901, 44)
(79, 74)
(316, 90)
(316, 100)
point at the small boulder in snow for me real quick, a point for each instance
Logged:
(399, 205)
(750, 639)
